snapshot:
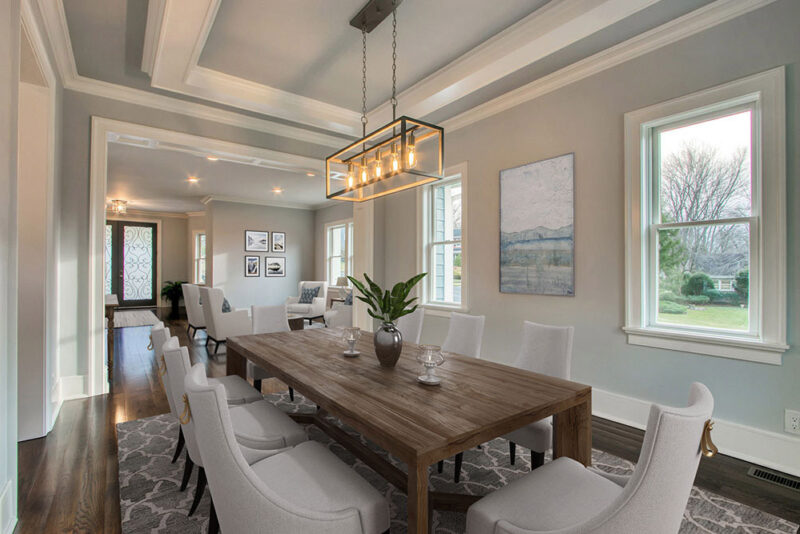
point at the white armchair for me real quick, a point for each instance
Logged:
(339, 316)
(220, 326)
(194, 310)
(564, 496)
(316, 307)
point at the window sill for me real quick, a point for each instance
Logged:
(442, 310)
(721, 346)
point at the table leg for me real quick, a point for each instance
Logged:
(572, 432)
(236, 363)
(417, 498)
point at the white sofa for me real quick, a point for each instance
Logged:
(316, 307)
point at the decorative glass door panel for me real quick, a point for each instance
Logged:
(132, 267)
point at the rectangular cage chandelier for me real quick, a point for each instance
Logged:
(404, 153)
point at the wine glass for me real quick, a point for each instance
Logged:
(350, 336)
(430, 357)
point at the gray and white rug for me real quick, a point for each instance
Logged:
(125, 318)
(150, 500)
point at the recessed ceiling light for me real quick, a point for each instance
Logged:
(277, 190)
(193, 179)
(310, 174)
(212, 158)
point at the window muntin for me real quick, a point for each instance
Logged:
(444, 252)
(339, 250)
(200, 258)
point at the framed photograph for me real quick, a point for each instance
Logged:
(256, 241)
(274, 266)
(279, 242)
(537, 236)
(252, 266)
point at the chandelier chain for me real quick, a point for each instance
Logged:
(364, 79)
(394, 59)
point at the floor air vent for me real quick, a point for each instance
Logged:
(774, 477)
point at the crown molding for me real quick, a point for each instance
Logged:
(195, 213)
(58, 33)
(701, 19)
(256, 202)
(148, 213)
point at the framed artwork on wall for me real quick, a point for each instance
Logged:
(537, 236)
(252, 266)
(274, 266)
(279, 242)
(256, 241)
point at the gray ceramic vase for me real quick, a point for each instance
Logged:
(388, 344)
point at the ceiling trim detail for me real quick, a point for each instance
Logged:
(257, 202)
(701, 19)
(56, 28)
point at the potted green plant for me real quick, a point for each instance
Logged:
(172, 292)
(387, 306)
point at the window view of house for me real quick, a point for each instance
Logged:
(200, 258)
(339, 247)
(445, 259)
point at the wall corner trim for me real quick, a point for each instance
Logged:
(8, 508)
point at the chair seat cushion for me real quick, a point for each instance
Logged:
(238, 390)
(255, 372)
(311, 476)
(536, 436)
(298, 308)
(260, 425)
(557, 495)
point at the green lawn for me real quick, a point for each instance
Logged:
(728, 317)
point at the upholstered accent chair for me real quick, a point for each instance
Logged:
(464, 336)
(339, 316)
(410, 325)
(313, 309)
(267, 320)
(546, 350)
(566, 497)
(194, 310)
(296, 491)
(259, 427)
(220, 326)
(162, 341)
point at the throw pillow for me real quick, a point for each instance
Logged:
(226, 306)
(308, 295)
(348, 300)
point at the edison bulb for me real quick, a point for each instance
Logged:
(364, 174)
(412, 157)
(395, 163)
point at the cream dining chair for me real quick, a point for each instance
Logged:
(410, 325)
(162, 340)
(267, 320)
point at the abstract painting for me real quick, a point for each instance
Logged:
(537, 237)
(256, 241)
(275, 266)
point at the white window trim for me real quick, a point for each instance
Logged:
(767, 89)
(195, 233)
(341, 222)
(423, 232)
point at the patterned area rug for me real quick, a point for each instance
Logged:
(151, 502)
(125, 318)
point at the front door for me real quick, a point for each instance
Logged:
(130, 262)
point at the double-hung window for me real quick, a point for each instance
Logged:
(442, 234)
(199, 272)
(705, 238)
(339, 250)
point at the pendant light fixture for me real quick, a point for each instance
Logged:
(404, 153)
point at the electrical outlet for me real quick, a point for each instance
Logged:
(792, 421)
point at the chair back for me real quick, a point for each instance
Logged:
(410, 325)
(161, 340)
(244, 503)
(465, 335)
(212, 310)
(194, 310)
(306, 284)
(178, 366)
(269, 319)
(655, 496)
(546, 349)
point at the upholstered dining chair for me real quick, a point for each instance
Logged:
(339, 316)
(303, 489)
(566, 497)
(259, 427)
(220, 326)
(161, 341)
(315, 305)
(267, 320)
(546, 350)
(464, 336)
(194, 310)
(410, 325)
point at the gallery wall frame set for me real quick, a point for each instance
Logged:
(259, 241)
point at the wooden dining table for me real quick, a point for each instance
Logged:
(477, 401)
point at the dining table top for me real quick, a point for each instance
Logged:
(476, 401)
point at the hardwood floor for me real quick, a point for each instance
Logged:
(68, 480)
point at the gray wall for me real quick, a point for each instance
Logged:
(337, 212)
(587, 118)
(228, 221)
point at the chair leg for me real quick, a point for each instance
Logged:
(512, 451)
(198, 492)
(213, 522)
(189, 331)
(291, 394)
(257, 384)
(440, 466)
(208, 338)
(537, 459)
(179, 448)
(216, 346)
(457, 472)
(187, 471)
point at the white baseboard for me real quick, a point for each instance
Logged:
(8, 516)
(72, 387)
(762, 447)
